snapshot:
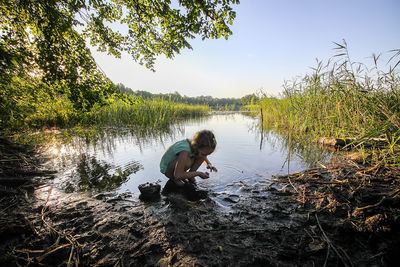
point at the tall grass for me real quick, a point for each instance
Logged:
(46, 112)
(152, 113)
(342, 99)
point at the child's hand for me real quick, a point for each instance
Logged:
(211, 168)
(204, 175)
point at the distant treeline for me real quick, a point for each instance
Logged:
(214, 103)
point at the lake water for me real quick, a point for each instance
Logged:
(119, 160)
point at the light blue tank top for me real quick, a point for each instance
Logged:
(172, 153)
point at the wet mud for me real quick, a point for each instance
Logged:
(341, 215)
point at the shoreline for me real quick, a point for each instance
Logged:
(307, 218)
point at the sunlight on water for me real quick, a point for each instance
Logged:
(120, 160)
(57, 151)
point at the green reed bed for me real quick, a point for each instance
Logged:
(142, 113)
(48, 112)
(340, 99)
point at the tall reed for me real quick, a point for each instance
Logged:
(342, 99)
(142, 113)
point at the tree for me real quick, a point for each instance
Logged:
(43, 47)
(47, 38)
(249, 99)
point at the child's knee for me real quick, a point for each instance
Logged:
(170, 169)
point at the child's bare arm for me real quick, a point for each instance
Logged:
(180, 170)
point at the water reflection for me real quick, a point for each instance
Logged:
(107, 140)
(120, 159)
(97, 176)
(301, 148)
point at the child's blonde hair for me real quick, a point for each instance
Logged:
(204, 138)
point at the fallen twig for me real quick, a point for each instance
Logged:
(295, 189)
(379, 203)
(41, 258)
(29, 251)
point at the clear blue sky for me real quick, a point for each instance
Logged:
(272, 41)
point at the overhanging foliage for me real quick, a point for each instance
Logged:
(44, 41)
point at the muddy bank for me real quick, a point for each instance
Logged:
(341, 215)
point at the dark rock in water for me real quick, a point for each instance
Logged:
(358, 157)
(340, 142)
(190, 191)
(334, 142)
(149, 191)
(150, 198)
(149, 188)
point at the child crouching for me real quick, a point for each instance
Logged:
(182, 159)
